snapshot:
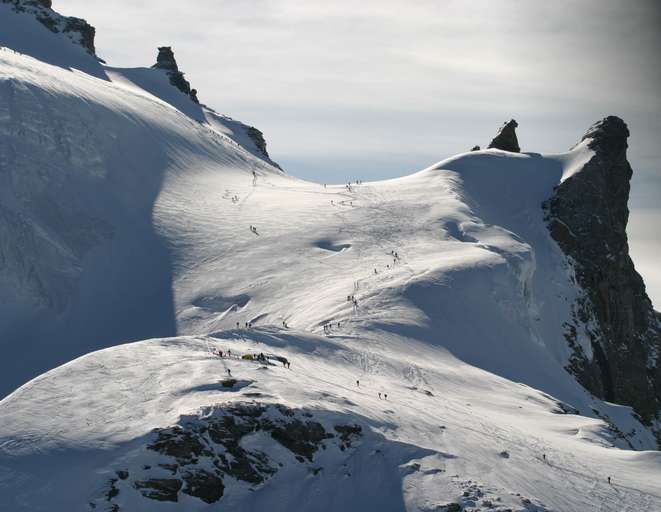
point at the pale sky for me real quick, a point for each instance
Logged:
(379, 88)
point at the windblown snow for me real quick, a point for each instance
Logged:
(428, 310)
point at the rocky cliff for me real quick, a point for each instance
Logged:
(587, 216)
(76, 29)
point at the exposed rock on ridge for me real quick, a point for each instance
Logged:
(165, 60)
(76, 29)
(587, 216)
(258, 138)
(206, 452)
(506, 139)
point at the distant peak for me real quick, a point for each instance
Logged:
(506, 139)
(165, 60)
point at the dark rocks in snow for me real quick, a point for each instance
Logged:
(85, 31)
(300, 437)
(161, 489)
(122, 474)
(165, 60)
(506, 139)
(179, 443)
(348, 434)
(77, 29)
(258, 139)
(203, 484)
(204, 450)
(475, 148)
(563, 408)
(452, 507)
(193, 95)
(112, 489)
(587, 216)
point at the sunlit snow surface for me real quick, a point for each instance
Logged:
(463, 330)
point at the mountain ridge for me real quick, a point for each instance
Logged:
(394, 345)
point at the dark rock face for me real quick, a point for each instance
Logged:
(506, 139)
(193, 95)
(348, 434)
(165, 60)
(161, 489)
(258, 138)
(203, 484)
(85, 31)
(203, 451)
(587, 216)
(78, 30)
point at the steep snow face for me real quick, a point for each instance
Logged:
(82, 161)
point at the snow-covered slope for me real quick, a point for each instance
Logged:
(84, 159)
(128, 211)
(448, 432)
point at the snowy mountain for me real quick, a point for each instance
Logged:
(442, 341)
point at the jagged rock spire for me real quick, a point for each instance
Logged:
(587, 216)
(506, 138)
(165, 60)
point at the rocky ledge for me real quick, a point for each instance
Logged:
(587, 216)
(200, 455)
(76, 29)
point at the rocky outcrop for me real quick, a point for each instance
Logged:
(587, 216)
(203, 454)
(76, 29)
(258, 139)
(506, 139)
(165, 60)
